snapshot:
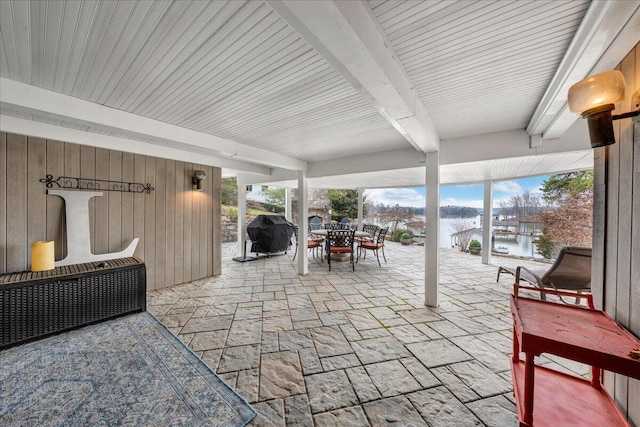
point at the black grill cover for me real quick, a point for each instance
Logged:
(270, 234)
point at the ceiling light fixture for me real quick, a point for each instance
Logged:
(594, 98)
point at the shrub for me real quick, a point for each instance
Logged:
(405, 236)
(396, 235)
(475, 244)
(545, 245)
(273, 208)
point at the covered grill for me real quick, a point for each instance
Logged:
(270, 234)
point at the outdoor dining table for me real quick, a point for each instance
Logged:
(340, 257)
(324, 233)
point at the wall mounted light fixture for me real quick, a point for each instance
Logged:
(198, 177)
(594, 98)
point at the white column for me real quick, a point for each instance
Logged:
(431, 248)
(242, 214)
(303, 220)
(487, 222)
(360, 207)
(287, 204)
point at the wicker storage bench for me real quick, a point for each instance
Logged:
(37, 304)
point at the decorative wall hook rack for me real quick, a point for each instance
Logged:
(97, 184)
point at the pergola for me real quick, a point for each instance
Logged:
(324, 94)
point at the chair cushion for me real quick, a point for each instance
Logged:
(372, 245)
(313, 244)
(340, 250)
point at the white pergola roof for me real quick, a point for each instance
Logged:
(353, 92)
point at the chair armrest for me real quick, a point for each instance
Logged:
(523, 273)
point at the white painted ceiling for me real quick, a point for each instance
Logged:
(480, 66)
(243, 74)
(232, 69)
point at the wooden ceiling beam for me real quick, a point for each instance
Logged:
(348, 36)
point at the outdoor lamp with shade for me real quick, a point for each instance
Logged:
(198, 177)
(594, 98)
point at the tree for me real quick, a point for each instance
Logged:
(522, 205)
(395, 216)
(462, 231)
(417, 223)
(565, 185)
(544, 244)
(344, 204)
(229, 194)
(505, 209)
(532, 203)
(367, 207)
(274, 196)
(457, 212)
(572, 222)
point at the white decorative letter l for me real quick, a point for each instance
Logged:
(78, 234)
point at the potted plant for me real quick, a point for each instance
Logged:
(474, 247)
(406, 239)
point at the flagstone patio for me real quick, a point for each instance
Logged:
(356, 348)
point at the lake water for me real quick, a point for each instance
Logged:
(521, 245)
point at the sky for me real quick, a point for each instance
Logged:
(450, 195)
(456, 195)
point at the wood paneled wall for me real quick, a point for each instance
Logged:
(179, 229)
(616, 245)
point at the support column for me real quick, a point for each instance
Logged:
(242, 213)
(487, 222)
(303, 208)
(360, 207)
(432, 212)
(287, 204)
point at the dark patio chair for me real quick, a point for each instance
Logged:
(314, 243)
(370, 228)
(375, 245)
(570, 272)
(367, 228)
(333, 226)
(340, 242)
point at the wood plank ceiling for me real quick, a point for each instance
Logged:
(233, 69)
(480, 66)
(237, 70)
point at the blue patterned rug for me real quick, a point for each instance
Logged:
(126, 371)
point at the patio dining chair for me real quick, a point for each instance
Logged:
(367, 228)
(333, 226)
(313, 243)
(570, 272)
(375, 245)
(340, 242)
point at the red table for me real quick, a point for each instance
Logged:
(577, 333)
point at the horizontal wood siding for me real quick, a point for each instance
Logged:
(176, 226)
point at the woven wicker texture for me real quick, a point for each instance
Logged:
(34, 305)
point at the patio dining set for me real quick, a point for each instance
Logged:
(340, 242)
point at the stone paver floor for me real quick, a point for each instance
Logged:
(346, 348)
